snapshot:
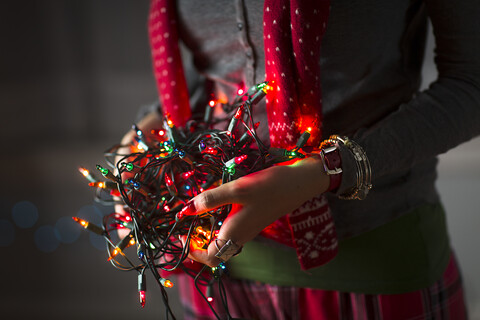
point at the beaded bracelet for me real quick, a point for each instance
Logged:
(363, 172)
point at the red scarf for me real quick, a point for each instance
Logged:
(292, 34)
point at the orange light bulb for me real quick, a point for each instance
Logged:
(166, 283)
(82, 222)
(84, 171)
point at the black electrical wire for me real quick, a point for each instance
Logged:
(155, 184)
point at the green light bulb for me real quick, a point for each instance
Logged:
(103, 170)
(128, 166)
(261, 85)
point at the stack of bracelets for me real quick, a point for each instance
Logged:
(165, 170)
(330, 157)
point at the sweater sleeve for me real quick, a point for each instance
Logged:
(448, 112)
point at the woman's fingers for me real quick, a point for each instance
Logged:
(205, 256)
(210, 199)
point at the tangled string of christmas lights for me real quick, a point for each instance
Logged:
(162, 173)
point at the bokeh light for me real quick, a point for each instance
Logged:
(24, 214)
(97, 241)
(45, 239)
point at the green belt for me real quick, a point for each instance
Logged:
(404, 255)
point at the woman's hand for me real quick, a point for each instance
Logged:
(258, 200)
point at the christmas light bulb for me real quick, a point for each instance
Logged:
(262, 85)
(127, 165)
(141, 144)
(204, 233)
(209, 293)
(137, 130)
(141, 251)
(106, 173)
(124, 243)
(168, 147)
(168, 181)
(166, 283)
(102, 170)
(187, 174)
(142, 288)
(232, 163)
(141, 295)
(84, 171)
(100, 185)
(212, 103)
(114, 253)
(303, 139)
(240, 91)
(83, 223)
(103, 185)
(239, 113)
(89, 226)
(267, 88)
(87, 174)
(240, 159)
(210, 150)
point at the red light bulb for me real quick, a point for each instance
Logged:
(141, 295)
(240, 159)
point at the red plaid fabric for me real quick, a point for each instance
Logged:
(443, 300)
(292, 34)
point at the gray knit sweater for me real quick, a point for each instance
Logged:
(371, 60)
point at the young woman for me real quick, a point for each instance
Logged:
(346, 68)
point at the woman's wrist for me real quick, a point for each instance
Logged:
(314, 179)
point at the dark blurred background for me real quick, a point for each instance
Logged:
(72, 76)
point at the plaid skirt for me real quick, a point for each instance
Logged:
(254, 300)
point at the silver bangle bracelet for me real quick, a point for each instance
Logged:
(363, 172)
(228, 250)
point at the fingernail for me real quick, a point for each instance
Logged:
(188, 210)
